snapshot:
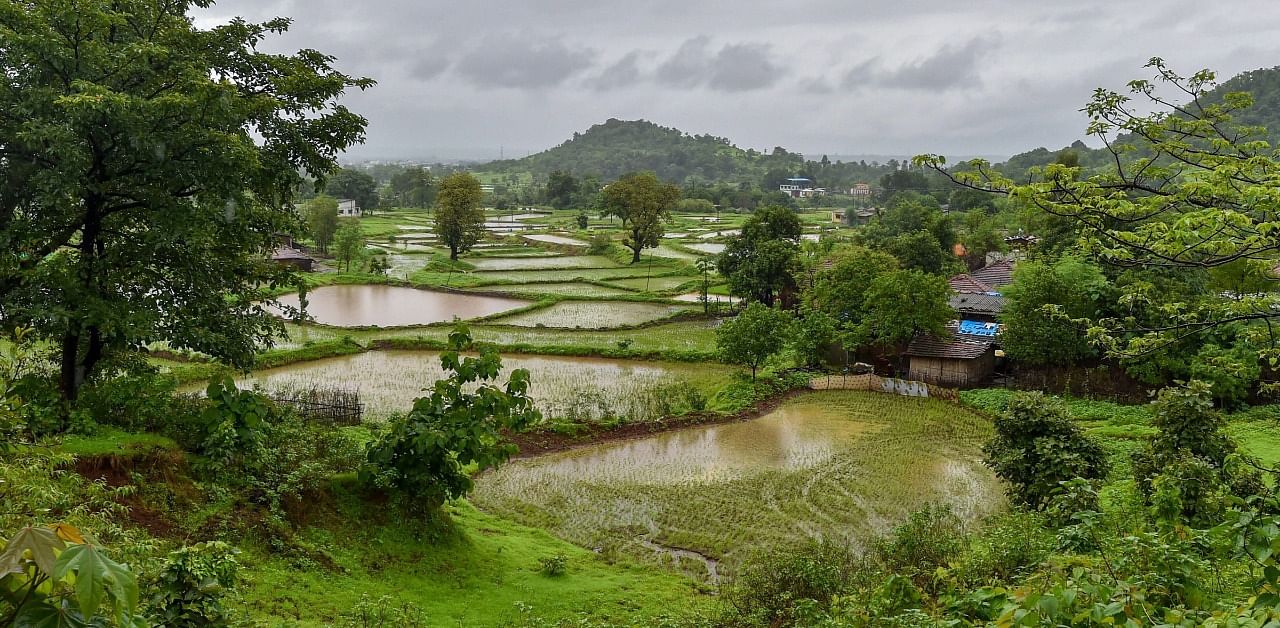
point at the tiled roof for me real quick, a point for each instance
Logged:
(997, 275)
(966, 283)
(957, 346)
(285, 253)
(977, 302)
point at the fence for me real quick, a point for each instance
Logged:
(324, 405)
(875, 383)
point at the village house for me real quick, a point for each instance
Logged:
(837, 216)
(800, 187)
(348, 208)
(966, 355)
(860, 189)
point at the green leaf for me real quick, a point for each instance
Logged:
(42, 614)
(43, 543)
(97, 576)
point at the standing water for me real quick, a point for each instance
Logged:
(395, 306)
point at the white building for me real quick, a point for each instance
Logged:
(348, 207)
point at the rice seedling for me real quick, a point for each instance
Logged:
(577, 289)
(656, 284)
(591, 315)
(537, 263)
(840, 465)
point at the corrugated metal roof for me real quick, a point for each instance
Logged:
(955, 347)
(977, 302)
(997, 275)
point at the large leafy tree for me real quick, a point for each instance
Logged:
(562, 187)
(348, 243)
(413, 187)
(753, 336)
(146, 165)
(903, 303)
(1045, 306)
(321, 214)
(759, 262)
(459, 219)
(840, 288)
(643, 203)
(1189, 189)
(355, 185)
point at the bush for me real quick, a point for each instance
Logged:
(384, 613)
(232, 424)
(1005, 548)
(1036, 447)
(784, 587)
(554, 565)
(931, 538)
(299, 458)
(599, 244)
(192, 584)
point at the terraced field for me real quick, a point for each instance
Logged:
(590, 315)
(577, 289)
(843, 465)
(549, 263)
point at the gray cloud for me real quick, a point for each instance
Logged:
(823, 76)
(948, 68)
(733, 68)
(509, 61)
(625, 72)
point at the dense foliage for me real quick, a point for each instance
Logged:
(459, 218)
(149, 173)
(1037, 448)
(429, 454)
(644, 204)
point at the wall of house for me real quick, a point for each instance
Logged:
(952, 372)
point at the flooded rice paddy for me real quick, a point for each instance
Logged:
(841, 465)
(590, 315)
(707, 247)
(394, 306)
(568, 288)
(554, 239)
(562, 387)
(537, 262)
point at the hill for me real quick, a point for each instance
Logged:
(616, 147)
(1264, 84)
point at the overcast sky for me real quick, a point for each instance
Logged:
(462, 78)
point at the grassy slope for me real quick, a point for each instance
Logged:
(479, 572)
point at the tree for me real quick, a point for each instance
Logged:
(1189, 188)
(753, 336)
(459, 220)
(903, 303)
(321, 214)
(414, 187)
(1036, 447)
(149, 172)
(642, 203)
(349, 242)
(431, 453)
(813, 332)
(1047, 308)
(841, 289)
(705, 266)
(561, 188)
(355, 185)
(758, 262)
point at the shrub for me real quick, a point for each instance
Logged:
(384, 613)
(430, 454)
(931, 538)
(1036, 447)
(232, 424)
(138, 402)
(298, 458)
(1005, 548)
(192, 584)
(785, 586)
(1191, 452)
(554, 565)
(599, 244)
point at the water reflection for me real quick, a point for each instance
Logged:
(787, 439)
(392, 306)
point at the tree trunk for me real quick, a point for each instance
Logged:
(453, 253)
(635, 254)
(69, 368)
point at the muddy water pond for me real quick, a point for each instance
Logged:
(562, 387)
(395, 306)
(839, 465)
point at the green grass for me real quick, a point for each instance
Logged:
(484, 571)
(110, 441)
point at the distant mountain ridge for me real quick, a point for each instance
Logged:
(1263, 83)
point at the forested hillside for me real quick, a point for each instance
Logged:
(1263, 84)
(618, 147)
